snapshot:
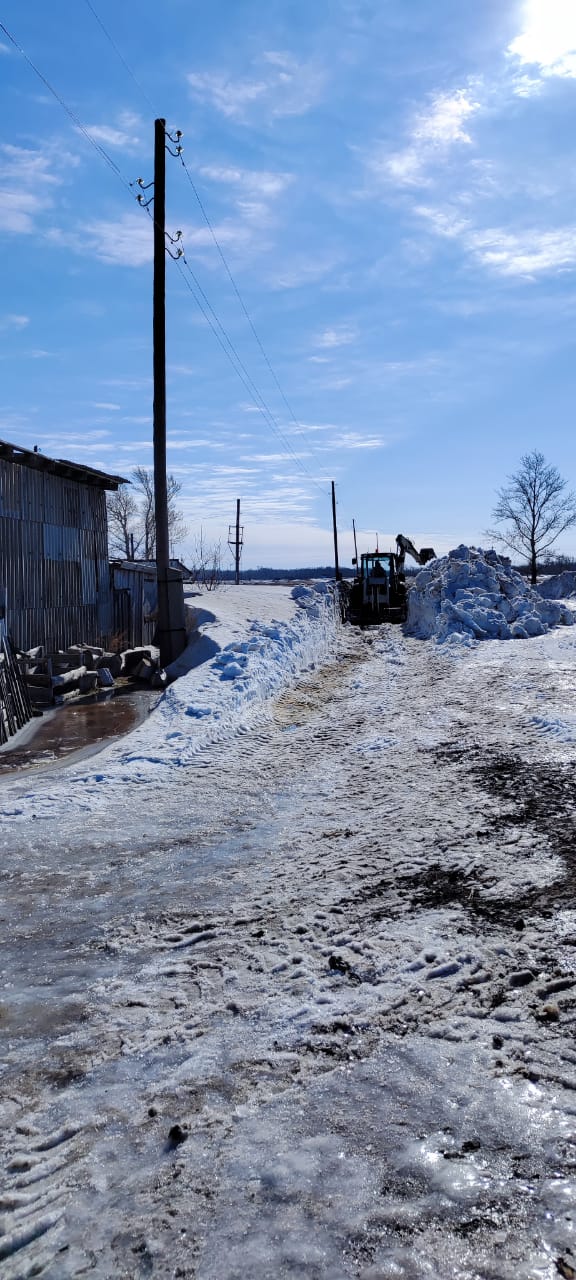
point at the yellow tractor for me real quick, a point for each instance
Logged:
(378, 592)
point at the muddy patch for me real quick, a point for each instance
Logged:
(78, 729)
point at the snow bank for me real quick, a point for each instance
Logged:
(251, 643)
(558, 587)
(472, 594)
(249, 658)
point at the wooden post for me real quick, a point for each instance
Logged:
(337, 573)
(237, 575)
(159, 367)
(171, 632)
(159, 352)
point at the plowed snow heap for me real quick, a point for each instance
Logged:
(558, 587)
(474, 594)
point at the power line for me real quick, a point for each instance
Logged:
(119, 55)
(238, 365)
(230, 351)
(226, 266)
(69, 111)
(215, 324)
(208, 222)
(225, 342)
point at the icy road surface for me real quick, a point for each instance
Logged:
(305, 1007)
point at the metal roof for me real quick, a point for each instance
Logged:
(59, 467)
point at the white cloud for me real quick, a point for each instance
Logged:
(338, 336)
(282, 86)
(270, 457)
(105, 405)
(27, 183)
(445, 222)
(229, 97)
(526, 86)
(433, 134)
(353, 440)
(301, 270)
(127, 240)
(262, 183)
(123, 134)
(176, 441)
(444, 124)
(527, 253)
(127, 384)
(14, 322)
(319, 426)
(548, 38)
(335, 384)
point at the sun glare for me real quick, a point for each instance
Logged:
(549, 36)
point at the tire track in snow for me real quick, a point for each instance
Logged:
(250, 979)
(35, 1190)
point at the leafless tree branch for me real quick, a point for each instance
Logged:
(535, 507)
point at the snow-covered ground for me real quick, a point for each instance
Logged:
(247, 644)
(292, 994)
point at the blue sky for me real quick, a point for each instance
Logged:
(393, 187)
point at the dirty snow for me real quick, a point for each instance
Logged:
(475, 594)
(559, 586)
(246, 645)
(332, 954)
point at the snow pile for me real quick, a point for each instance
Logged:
(472, 594)
(246, 661)
(558, 587)
(251, 643)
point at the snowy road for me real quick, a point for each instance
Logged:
(335, 962)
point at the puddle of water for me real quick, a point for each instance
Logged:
(79, 728)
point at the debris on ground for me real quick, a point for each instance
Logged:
(54, 677)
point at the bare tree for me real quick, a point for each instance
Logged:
(143, 481)
(123, 534)
(177, 527)
(207, 563)
(132, 521)
(535, 507)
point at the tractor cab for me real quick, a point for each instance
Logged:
(378, 593)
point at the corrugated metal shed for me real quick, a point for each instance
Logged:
(54, 549)
(135, 603)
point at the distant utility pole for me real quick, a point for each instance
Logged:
(236, 541)
(355, 543)
(337, 573)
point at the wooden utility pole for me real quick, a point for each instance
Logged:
(159, 353)
(237, 575)
(171, 634)
(236, 541)
(355, 543)
(337, 573)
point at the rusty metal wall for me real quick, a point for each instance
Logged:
(53, 559)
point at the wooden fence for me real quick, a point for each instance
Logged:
(15, 705)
